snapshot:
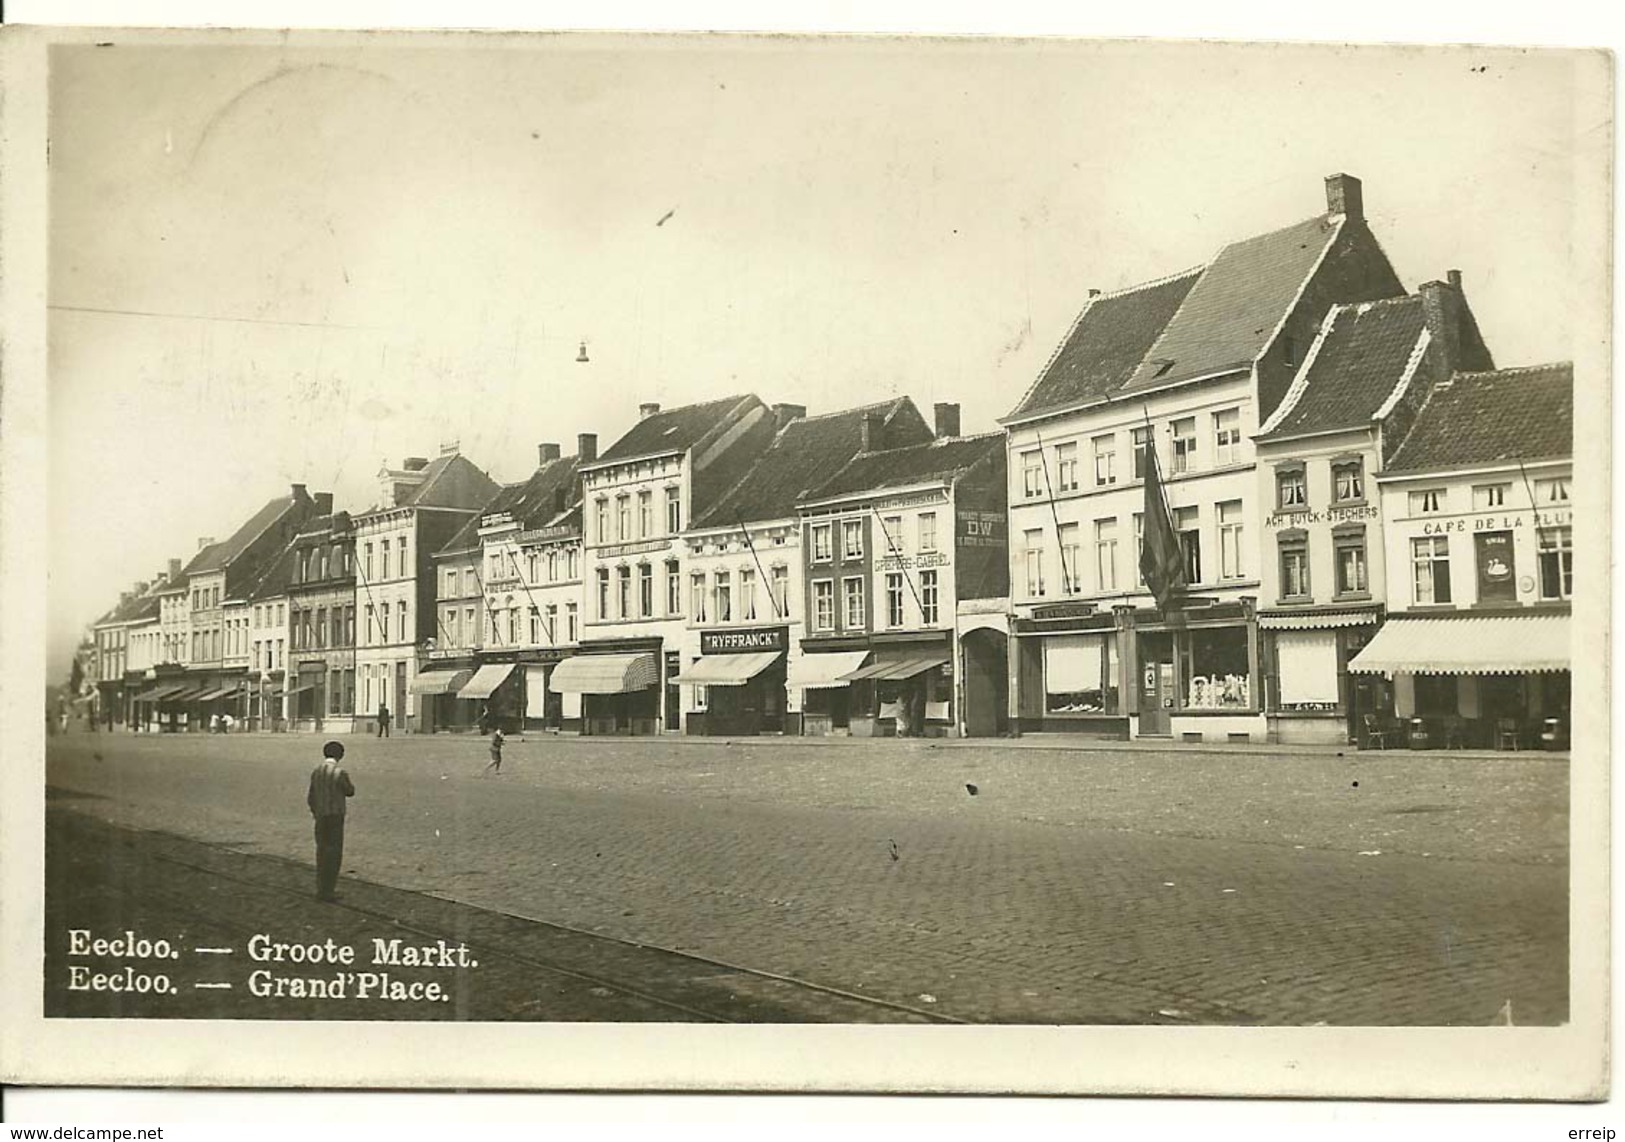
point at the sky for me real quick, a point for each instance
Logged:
(272, 265)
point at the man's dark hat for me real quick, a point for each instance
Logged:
(334, 750)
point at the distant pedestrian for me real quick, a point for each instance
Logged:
(329, 788)
(383, 720)
(214, 723)
(495, 764)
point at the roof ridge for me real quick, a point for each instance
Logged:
(893, 402)
(1549, 365)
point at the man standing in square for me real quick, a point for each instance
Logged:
(383, 720)
(330, 787)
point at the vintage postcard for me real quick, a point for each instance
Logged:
(596, 561)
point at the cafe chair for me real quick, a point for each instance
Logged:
(1376, 737)
(1506, 734)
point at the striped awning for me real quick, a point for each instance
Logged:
(187, 694)
(896, 670)
(486, 680)
(605, 674)
(1501, 644)
(158, 693)
(440, 681)
(824, 671)
(727, 669)
(1310, 621)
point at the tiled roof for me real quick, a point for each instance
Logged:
(1351, 369)
(1105, 344)
(278, 574)
(900, 467)
(1231, 313)
(676, 429)
(533, 503)
(804, 453)
(218, 556)
(1488, 418)
(134, 609)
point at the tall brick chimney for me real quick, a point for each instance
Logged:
(586, 447)
(647, 409)
(947, 419)
(299, 492)
(546, 453)
(1343, 196)
(1442, 310)
(874, 433)
(324, 503)
(174, 570)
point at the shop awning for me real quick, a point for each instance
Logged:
(486, 680)
(824, 671)
(1503, 644)
(187, 694)
(1268, 621)
(211, 694)
(440, 681)
(156, 694)
(299, 690)
(605, 674)
(897, 668)
(727, 669)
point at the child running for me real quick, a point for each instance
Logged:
(495, 764)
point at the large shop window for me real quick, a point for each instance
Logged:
(1218, 672)
(1080, 674)
(1306, 664)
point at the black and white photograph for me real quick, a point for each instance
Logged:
(895, 542)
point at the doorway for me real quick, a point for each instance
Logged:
(1157, 684)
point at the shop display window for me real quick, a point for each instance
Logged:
(1080, 674)
(1217, 671)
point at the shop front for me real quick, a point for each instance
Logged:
(614, 691)
(1472, 680)
(440, 707)
(737, 684)
(1069, 672)
(1195, 674)
(497, 690)
(906, 689)
(818, 678)
(1310, 696)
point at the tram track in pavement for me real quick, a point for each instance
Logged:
(710, 988)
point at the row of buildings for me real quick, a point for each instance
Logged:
(1375, 524)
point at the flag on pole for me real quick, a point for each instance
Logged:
(1162, 560)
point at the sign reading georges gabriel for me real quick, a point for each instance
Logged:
(747, 641)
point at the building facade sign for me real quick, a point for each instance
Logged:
(744, 641)
(981, 529)
(910, 562)
(1462, 524)
(1329, 515)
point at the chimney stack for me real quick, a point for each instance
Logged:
(204, 541)
(1343, 196)
(647, 409)
(123, 597)
(299, 492)
(947, 418)
(174, 570)
(546, 453)
(1441, 308)
(783, 414)
(416, 463)
(1094, 293)
(324, 503)
(586, 447)
(874, 427)
(1454, 278)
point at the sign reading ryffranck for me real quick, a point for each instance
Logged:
(743, 641)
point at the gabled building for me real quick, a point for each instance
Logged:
(742, 652)
(1478, 539)
(637, 499)
(891, 544)
(119, 638)
(321, 594)
(1323, 577)
(509, 599)
(1187, 365)
(268, 638)
(421, 506)
(218, 579)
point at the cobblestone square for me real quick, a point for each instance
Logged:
(1076, 885)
